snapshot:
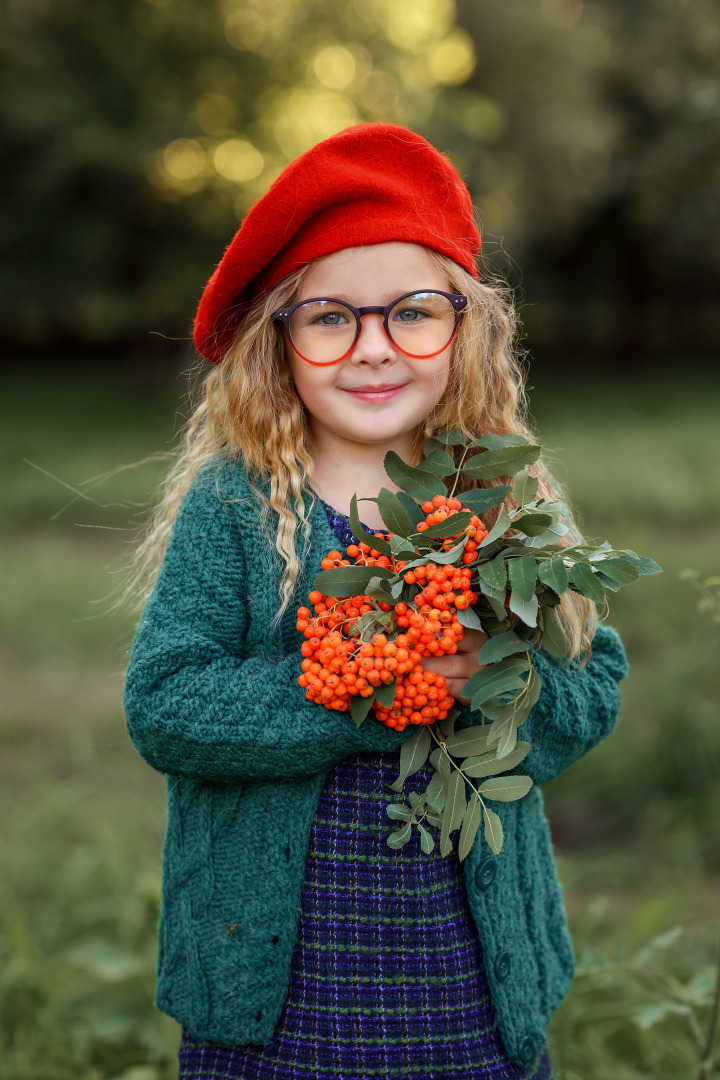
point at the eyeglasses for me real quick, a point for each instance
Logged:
(324, 331)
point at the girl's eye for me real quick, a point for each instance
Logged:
(330, 318)
(409, 315)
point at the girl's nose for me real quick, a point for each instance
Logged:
(373, 346)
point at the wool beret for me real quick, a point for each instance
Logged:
(369, 184)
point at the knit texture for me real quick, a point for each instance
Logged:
(370, 184)
(212, 701)
(386, 976)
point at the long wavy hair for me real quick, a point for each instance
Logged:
(250, 411)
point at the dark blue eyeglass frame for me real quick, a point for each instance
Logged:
(283, 315)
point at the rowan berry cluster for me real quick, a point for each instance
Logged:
(337, 668)
(339, 665)
(442, 508)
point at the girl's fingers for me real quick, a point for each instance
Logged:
(458, 668)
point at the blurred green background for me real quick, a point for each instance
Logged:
(136, 136)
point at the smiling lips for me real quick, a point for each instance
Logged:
(381, 392)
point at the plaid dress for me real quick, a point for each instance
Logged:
(387, 978)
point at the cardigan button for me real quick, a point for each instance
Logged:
(486, 874)
(526, 1052)
(502, 966)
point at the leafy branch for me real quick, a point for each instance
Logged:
(519, 572)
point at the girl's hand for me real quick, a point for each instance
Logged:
(458, 668)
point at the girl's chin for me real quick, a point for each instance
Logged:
(379, 431)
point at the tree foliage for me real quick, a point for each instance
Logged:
(136, 136)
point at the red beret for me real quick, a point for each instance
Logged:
(369, 184)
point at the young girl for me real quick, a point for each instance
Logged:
(345, 319)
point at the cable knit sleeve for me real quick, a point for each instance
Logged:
(198, 701)
(576, 709)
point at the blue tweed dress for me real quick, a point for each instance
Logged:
(387, 978)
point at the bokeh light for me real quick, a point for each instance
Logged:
(184, 159)
(452, 60)
(334, 67)
(238, 160)
(244, 29)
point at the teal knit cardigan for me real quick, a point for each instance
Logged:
(212, 701)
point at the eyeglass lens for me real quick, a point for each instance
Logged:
(323, 331)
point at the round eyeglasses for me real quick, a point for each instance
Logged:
(324, 331)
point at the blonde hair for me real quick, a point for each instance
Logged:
(251, 412)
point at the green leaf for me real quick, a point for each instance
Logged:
(553, 639)
(393, 513)
(552, 572)
(524, 487)
(504, 731)
(348, 580)
(493, 830)
(413, 755)
(466, 743)
(642, 565)
(439, 464)
(375, 542)
(447, 725)
(499, 764)
(426, 841)
(453, 437)
(411, 508)
(452, 526)
(494, 679)
(399, 837)
(497, 648)
(431, 445)
(439, 556)
(494, 573)
(526, 610)
(523, 575)
(496, 601)
(532, 524)
(360, 707)
(500, 527)
(435, 792)
(607, 582)
(620, 570)
(470, 826)
(399, 812)
(440, 761)
(454, 810)
(506, 788)
(547, 539)
(396, 589)
(586, 583)
(502, 462)
(530, 696)
(481, 499)
(491, 441)
(385, 694)
(469, 617)
(423, 485)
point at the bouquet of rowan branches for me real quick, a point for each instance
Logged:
(408, 594)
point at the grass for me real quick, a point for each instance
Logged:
(634, 822)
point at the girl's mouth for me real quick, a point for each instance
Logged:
(380, 392)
